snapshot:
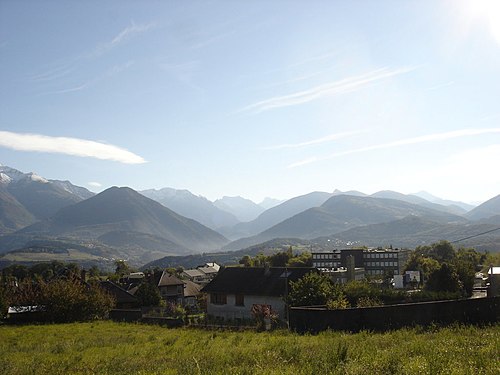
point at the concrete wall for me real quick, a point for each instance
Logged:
(471, 311)
(230, 311)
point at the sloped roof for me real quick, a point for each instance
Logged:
(255, 281)
(120, 294)
(207, 270)
(194, 273)
(168, 279)
(191, 289)
(213, 265)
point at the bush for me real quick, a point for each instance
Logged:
(338, 303)
(63, 300)
(311, 289)
(71, 300)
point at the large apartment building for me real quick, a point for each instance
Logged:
(374, 261)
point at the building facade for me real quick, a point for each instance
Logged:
(376, 262)
(237, 291)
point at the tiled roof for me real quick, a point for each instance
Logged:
(207, 270)
(191, 289)
(255, 281)
(168, 279)
(120, 294)
(194, 273)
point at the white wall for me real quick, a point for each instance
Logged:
(230, 311)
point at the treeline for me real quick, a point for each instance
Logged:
(445, 269)
(53, 292)
(281, 259)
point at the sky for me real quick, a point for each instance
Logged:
(254, 99)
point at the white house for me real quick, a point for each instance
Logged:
(236, 290)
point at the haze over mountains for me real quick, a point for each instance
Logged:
(41, 218)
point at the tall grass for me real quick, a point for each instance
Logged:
(113, 348)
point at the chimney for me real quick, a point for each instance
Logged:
(267, 270)
(350, 268)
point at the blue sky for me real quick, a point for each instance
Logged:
(254, 98)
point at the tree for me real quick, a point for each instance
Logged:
(279, 259)
(418, 262)
(355, 290)
(94, 272)
(15, 271)
(4, 302)
(312, 289)
(301, 260)
(122, 268)
(441, 251)
(148, 295)
(445, 279)
(72, 300)
(246, 261)
(467, 262)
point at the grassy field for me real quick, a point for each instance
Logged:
(113, 348)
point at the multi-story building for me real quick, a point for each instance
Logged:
(382, 261)
(374, 261)
(327, 260)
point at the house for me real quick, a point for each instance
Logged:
(171, 288)
(202, 274)
(194, 275)
(124, 299)
(494, 281)
(210, 272)
(237, 290)
(191, 293)
(213, 265)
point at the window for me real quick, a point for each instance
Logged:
(239, 300)
(218, 298)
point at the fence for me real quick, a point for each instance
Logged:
(470, 311)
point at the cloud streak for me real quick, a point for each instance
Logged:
(117, 69)
(328, 89)
(127, 33)
(68, 146)
(402, 142)
(328, 138)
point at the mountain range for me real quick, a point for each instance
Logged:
(41, 218)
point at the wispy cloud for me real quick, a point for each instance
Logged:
(55, 73)
(328, 138)
(127, 33)
(94, 184)
(117, 69)
(440, 86)
(328, 89)
(68, 146)
(402, 142)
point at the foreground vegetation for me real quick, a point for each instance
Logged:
(113, 348)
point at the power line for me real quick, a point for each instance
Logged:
(475, 235)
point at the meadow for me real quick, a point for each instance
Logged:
(125, 348)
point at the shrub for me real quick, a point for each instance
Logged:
(338, 303)
(71, 300)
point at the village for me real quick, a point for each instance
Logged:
(391, 287)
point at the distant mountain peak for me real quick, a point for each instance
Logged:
(244, 209)
(192, 206)
(349, 192)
